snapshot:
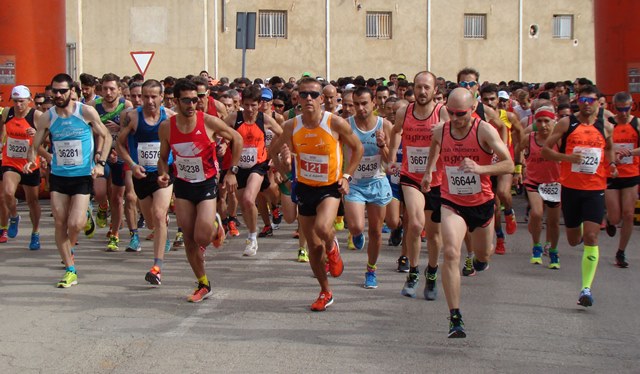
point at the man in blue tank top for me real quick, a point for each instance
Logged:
(72, 127)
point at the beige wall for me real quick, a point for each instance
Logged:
(175, 30)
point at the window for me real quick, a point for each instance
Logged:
(563, 26)
(475, 26)
(72, 69)
(378, 25)
(272, 24)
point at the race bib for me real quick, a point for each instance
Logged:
(395, 177)
(68, 152)
(17, 148)
(190, 168)
(314, 167)
(148, 153)
(624, 160)
(248, 157)
(590, 160)
(268, 137)
(417, 159)
(462, 183)
(368, 167)
(550, 192)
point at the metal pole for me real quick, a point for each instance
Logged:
(244, 59)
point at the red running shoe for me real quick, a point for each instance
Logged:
(324, 300)
(336, 266)
(500, 249)
(510, 220)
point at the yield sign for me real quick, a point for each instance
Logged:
(142, 59)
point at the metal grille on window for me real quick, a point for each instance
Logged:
(563, 27)
(72, 68)
(475, 26)
(378, 25)
(272, 24)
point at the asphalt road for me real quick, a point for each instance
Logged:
(519, 317)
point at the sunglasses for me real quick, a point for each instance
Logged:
(278, 105)
(465, 84)
(305, 94)
(623, 109)
(60, 91)
(201, 95)
(189, 100)
(457, 113)
(39, 102)
(587, 100)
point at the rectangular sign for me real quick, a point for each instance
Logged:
(8, 70)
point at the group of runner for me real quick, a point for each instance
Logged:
(434, 162)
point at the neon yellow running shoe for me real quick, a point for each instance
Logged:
(302, 255)
(69, 279)
(113, 244)
(350, 244)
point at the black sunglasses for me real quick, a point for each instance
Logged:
(278, 105)
(457, 113)
(189, 100)
(305, 94)
(60, 91)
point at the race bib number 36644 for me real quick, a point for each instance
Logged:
(462, 183)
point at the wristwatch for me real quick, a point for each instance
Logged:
(234, 169)
(348, 177)
(101, 163)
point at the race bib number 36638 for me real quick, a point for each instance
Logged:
(314, 167)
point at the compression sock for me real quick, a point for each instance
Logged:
(203, 280)
(589, 264)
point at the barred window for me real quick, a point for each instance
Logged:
(475, 26)
(272, 24)
(378, 25)
(563, 26)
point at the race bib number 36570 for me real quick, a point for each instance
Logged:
(148, 153)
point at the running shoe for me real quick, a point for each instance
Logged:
(90, 226)
(536, 257)
(202, 292)
(585, 299)
(302, 255)
(233, 228)
(324, 300)
(431, 288)
(510, 221)
(154, 276)
(350, 243)
(621, 260)
(554, 260)
(611, 229)
(276, 216)
(456, 327)
(336, 266)
(134, 243)
(480, 266)
(101, 217)
(3, 236)
(395, 239)
(179, 241)
(385, 229)
(266, 231)
(13, 226)
(403, 264)
(251, 248)
(235, 219)
(370, 281)
(423, 236)
(500, 249)
(339, 226)
(218, 238)
(167, 246)
(113, 244)
(140, 221)
(546, 248)
(69, 279)
(410, 285)
(358, 241)
(34, 244)
(468, 270)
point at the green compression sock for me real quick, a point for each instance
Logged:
(589, 264)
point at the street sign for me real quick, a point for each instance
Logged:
(245, 35)
(142, 59)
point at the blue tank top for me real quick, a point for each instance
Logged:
(144, 144)
(370, 166)
(72, 144)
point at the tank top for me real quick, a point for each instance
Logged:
(113, 116)
(144, 144)
(590, 174)
(539, 169)
(625, 136)
(464, 188)
(194, 153)
(72, 144)
(318, 154)
(254, 150)
(17, 142)
(370, 165)
(211, 107)
(416, 142)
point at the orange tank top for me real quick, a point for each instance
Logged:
(17, 142)
(416, 142)
(318, 153)
(626, 136)
(254, 150)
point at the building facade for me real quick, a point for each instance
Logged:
(530, 40)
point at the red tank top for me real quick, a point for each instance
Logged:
(626, 136)
(211, 107)
(194, 153)
(590, 175)
(539, 169)
(416, 141)
(254, 150)
(466, 189)
(17, 142)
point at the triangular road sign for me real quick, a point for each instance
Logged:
(142, 59)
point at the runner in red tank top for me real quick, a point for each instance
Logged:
(464, 147)
(414, 128)
(191, 138)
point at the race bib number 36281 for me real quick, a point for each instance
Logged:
(68, 152)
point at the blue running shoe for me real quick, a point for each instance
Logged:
(585, 299)
(385, 229)
(167, 246)
(536, 257)
(13, 226)
(370, 281)
(134, 244)
(456, 327)
(431, 287)
(34, 245)
(358, 241)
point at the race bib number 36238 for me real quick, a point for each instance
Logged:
(190, 168)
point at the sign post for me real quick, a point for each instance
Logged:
(142, 59)
(245, 35)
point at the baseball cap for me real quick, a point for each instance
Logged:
(349, 86)
(503, 95)
(402, 76)
(306, 74)
(267, 95)
(20, 92)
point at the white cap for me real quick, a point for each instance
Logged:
(20, 92)
(503, 95)
(349, 86)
